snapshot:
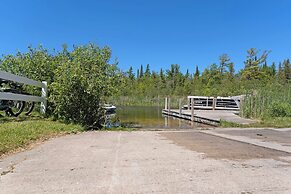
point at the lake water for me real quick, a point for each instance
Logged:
(151, 117)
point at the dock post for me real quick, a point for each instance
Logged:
(192, 109)
(189, 102)
(166, 103)
(180, 107)
(214, 103)
(169, 105)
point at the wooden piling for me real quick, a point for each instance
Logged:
(214, 103)
(180, 106)
(189, 102)
(169, 105)
(192, 109)
(166, 103)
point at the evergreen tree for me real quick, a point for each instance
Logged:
(130, 73)
(147, 71)
(231, 70)
(224, 62)
(187, 74)
(137, 74)
(252, 68)
(287, 70)
(197, 73)
(141, 71)
(273, 70)
(281, 75)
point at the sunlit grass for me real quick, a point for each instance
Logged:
(19, 132)
(277, 122)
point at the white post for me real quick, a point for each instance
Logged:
(192, 109)
(166, 103)
(189, 102)
(169, 105)
(214, 103)
(43, 104)
(180, 107)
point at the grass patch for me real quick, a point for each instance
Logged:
(276, 122)
(19, 132)
(119, 129)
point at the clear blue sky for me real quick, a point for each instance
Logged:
(158, 32)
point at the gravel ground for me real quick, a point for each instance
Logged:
(146, 162)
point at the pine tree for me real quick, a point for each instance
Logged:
(137, 74)
(130, 73)
(162, 76)
(197, 73)
(281, 76)
(187, 74)
(287, 70)
(231, 70)
(273, 70)
(224, 62)
(141, 71)
(147, 71)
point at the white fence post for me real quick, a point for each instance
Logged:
(43, 105)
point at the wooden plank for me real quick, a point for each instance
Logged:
(15, 78)
(20, 97)
(175, 113)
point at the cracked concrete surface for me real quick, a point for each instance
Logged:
(139, 162)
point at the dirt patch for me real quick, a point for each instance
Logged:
(269, 135)
(221, 148)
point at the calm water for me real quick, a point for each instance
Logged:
(151, 117)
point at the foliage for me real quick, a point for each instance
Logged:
(278, 109)
(81, 84)
(20, 133)
(257, 77)
(79, 81)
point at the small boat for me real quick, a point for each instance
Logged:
(109, 109)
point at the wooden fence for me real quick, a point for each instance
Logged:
(22, 97)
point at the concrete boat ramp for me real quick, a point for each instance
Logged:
(210, 117)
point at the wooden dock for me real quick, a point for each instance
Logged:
(226, 110)
(209, 117)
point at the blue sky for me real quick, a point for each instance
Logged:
(155, 32)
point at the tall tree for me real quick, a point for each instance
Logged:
(130, 73)
(197, 72)
(147, 71)
(141, 71)
(252, 68)
(231, 70)
(281, 75)
(273, 70)
(224, 62)
(137, 74)
(287, 70)
(187, 74)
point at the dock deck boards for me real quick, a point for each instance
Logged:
(211, 117)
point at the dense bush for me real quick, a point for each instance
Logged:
(279, 109)
(271, 101)
(82, 82)
(79, 81)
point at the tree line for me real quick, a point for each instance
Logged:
(218, 79)
(82, 79)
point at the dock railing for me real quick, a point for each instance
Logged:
(22, 97)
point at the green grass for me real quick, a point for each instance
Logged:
(19, 132)
(276, 122)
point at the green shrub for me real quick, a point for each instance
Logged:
(82, 82)
(280, 109)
